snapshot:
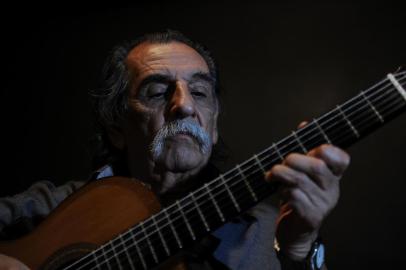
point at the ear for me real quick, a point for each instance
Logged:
(116, 137)
(215, 134)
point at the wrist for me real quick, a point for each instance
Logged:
(314, 259)
(298, 249)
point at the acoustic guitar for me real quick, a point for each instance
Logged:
(117, 223)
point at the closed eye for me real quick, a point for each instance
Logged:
(198, 94)
(157, 95)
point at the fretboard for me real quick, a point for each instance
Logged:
(202, 211)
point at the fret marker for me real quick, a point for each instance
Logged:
(259, 163)
(161, 236)
(299, 142)
(254, 196)
(215, 203)
(149, 243)
(200, 212)
(173, 229)
(348, 121)
(397, 85)
(322, 131)
(229, 193)
(372, 106)
(186, 221)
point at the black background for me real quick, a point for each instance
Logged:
(279, 63)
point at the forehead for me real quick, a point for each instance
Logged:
(174, 58)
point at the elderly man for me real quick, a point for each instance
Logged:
(158, 108)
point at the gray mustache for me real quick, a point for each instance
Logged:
(183, 126)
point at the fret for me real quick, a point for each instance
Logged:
(277, 151)
(186, 221)
(321, 131)
(239, 189)
(106, 260)
(373, 107)
(215, 203)
(95, 259)
(160, 235)
(121, 252)
(151, 248)
(397, 85)
(191, 227)
(259, 163)
(200, 212)
(208, 208)
(230, 193)
(254, 196)
(388, 103)
(126, 252)
(173, 229)
(139, 253)
(299, 142)
(115, 256)
(310, 136)
(348, 121)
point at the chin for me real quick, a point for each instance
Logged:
(180, 160)
(183, 157)
(178, 164)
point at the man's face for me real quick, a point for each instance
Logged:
(170, 83)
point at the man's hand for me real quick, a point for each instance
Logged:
(309, 190)
(8, 263)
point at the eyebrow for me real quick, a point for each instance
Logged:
(163, 78)
(203, 76)
(159, 78)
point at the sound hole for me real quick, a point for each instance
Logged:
(69, 255)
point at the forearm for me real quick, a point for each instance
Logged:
(23, 211)
(309, 258)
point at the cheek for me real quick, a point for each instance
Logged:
(139, 120)
(213, 130)
(152, 122)
(210, 123)
(155, 122)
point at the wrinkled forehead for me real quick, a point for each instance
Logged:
(174, 59)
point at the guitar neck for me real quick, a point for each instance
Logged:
(207, 208)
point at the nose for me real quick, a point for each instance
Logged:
(182, 104)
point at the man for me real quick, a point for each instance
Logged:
(158, 108)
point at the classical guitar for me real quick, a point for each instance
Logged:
(117, 223)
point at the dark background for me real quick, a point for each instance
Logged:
(280, 64)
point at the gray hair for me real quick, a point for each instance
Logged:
(110, 99)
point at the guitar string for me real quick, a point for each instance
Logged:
(186, 205)
(265, 150)
(363, 120)
(213, 213)
(227, 179)
(196, 215)
(140, 241)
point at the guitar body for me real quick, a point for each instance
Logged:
(88, 218)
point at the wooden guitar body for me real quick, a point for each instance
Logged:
(88, 218)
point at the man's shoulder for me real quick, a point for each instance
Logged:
(20, 213)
